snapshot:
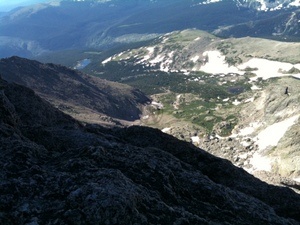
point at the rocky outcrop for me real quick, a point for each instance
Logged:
(73, 92)
(57, 171)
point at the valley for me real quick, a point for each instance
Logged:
(215, 91)
(210, 90)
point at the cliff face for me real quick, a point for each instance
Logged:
(57, 171)
(73, 92)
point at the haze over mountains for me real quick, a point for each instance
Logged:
(61, 25)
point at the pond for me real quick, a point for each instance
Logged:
(82, 64)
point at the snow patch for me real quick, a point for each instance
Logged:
(107, 60)
(243, 156)
(195, 139)
(297, 4)
(150, 53)
(166, 130)
(272, 134)
(216, 64)
(254, 87)
(260, 162)
(296, 76)
(157, 59)
(267, 68)
(236, 102)
(195, 58)
(157, 104)
(249, 100)
(249, 130)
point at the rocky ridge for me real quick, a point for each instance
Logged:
(85, 97)
(58, 171)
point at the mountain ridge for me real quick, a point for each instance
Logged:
(76, 93)
(58, 171)
(105, 25)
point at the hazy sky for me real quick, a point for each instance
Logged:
(6, 5)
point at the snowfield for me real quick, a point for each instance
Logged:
(260, 162)
(216, 64)
(267, 68)
(264, 68)
(271, 135)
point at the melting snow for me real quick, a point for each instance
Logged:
(166, 130)
(236, 102)
(195, 139)
(295, 3)
(297, 76)
(249, 130)
(157, 59)
(217, 64)
(254, 87)
(267, 68)
(157, 104)
(272, 134)
(195, 58)
(107, 60)
(249, 100)
(260, 162)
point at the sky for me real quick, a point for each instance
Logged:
(6, 5)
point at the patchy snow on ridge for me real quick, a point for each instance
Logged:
(149, 55)
(254, 87)
(236, 102)
(297, 4)
(216, 64)
(272, 134)
(208, 2)
(157, 59)
(107, 60)
(195, 58)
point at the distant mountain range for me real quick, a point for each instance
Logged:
(61, 25)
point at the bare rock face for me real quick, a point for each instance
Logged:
(57, 171)
(73, 92)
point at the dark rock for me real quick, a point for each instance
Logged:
(57, 171)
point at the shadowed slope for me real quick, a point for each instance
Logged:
(73, 91)
(56, 171)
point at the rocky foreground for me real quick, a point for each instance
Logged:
(57, 171)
